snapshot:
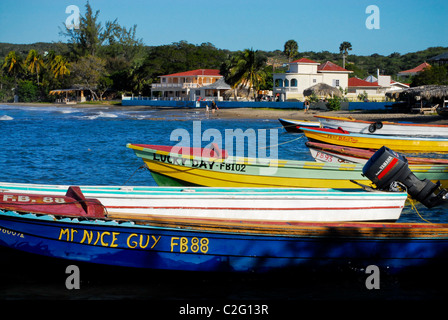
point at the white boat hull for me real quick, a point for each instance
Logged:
(276, 204)
(387, 128)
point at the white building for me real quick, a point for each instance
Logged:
(304, 73)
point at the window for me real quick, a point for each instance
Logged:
(314, 80)
(335, 82)
(279, 83)
(286, 83)
(293, 82)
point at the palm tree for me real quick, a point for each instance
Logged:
(343, 49)
(35, 63)
(245, 70)
(291, 49)
(13, 64)
(59, 66)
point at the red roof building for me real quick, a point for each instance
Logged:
(331, 67)
(414, 71)
(304, 60)
(187, 85)
(196, 73)
(359, 83)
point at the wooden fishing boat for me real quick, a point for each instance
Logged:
(293, 125)
(324, 152)
(370, 141)
(262, 204)
(234, 246)
(204, 167)
(384, 127)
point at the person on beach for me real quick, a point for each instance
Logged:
(214, 106)
(306, 105)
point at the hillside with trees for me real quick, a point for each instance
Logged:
(109, 60)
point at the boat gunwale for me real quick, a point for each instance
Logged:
(323, 230)
(384, 122)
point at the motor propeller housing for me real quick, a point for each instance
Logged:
(387, 167)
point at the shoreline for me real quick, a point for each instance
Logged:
(252, 113)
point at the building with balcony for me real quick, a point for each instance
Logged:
(304, 73)
(190, 85)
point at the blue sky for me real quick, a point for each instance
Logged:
(316, 25)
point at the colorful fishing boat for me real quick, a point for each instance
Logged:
(237, 246)
(262, 204)
(370, 141)
(324, 152)
(384, 127)
(205, 167)
(293, 125)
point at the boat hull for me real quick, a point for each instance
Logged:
(323, 152)
(292, 125)
(172, 169)
(272, 204)
(236, 247)
(365, 141)
(386, 127)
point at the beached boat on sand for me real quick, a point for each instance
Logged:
(220, 170)
(276, 204)
(375, 141)
(293, 125)
(384, 127)
(324, 152)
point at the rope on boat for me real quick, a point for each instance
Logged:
(143, 166)
(412, 202)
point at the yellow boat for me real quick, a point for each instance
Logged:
(219, 170)
(409, 144)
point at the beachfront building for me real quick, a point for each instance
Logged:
(305, 73)
(373, 89)
(190, 85)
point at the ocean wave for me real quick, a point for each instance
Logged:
(6, 118)
(99, 115)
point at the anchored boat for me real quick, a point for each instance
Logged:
(294, 125)
(409, 144)
(324, 152)
(205, 167)
(262, 204)
(384, 127)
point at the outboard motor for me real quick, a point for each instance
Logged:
(387, 167)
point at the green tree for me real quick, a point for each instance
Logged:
(245, 69)
(87, 72)
(291, 49)
(343, 49)
(13, 65)
(34, 63)
(437, 75)
(27, 91)
(59, 66)
(91, 38)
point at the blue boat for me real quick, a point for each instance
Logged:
(237, 246)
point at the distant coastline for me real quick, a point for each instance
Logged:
(250, 113)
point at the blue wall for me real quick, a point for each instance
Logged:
(127, 101)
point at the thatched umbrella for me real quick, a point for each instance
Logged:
(322, 89)
(424, 92)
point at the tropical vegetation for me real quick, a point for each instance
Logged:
(108, 60)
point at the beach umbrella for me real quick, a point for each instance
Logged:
(322, 89)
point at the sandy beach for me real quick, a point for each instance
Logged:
(172, 114)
